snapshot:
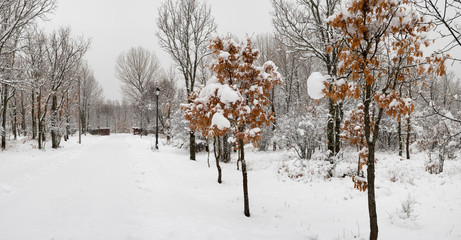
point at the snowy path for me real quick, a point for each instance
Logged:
(91, 194)
(117, 188)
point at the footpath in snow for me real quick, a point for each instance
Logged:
(116, 187)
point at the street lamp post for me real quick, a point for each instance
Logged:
(157, 93)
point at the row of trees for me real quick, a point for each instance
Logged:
(44, 78)
(377, 89)
(378, 82)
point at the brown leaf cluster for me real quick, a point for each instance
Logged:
(394, 104)
(234, 65)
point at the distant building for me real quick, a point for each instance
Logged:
(100, 131)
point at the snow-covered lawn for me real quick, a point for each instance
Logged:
(116, 187)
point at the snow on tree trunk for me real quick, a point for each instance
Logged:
(55, 136)
(4, 107)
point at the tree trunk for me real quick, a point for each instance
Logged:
(274, 124)
(39, 113)
(67, 133)
(371, 193)
(246, 204)
(331, 128)
(338, 120)
(441, 159)
(44, 129)
(54, 122)
(226, 149)
(192, 145)
(83, 121)
(23, 115)
(371, 136)
(5, 104)
(87, 121)
(40, 132)
(34, 122)
(218, 155)
(407, 145)
(238, 159)
(14, 125)
(399, 135)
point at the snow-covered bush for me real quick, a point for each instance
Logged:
(301, 132)
(180, 130)
(344, 169)
(305, 170)
(407, 210)
(399, 171)
(406, 215)
(267, 139)
(432, 164)
(438, 136)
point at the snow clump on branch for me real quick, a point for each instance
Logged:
(316, 85)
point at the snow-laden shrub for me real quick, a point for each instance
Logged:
(301, 132)
(304, 170)
(397, 175)
(406, 215)
(440, 138)
(432, 164)
(407, 210)
(344, 169)
(267, 139)
(180, 130)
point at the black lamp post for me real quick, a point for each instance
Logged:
(157, 93)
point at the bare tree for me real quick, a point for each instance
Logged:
(63, 55)
(34, 55)
(15, 16)
(90, 92)
(137, 69)
(303, 26)
(446, 15)
(185, 27)
(168, 101)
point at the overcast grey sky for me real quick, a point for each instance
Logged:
(117, 25)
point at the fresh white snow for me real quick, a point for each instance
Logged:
(316, 85)
(220, 121)
(116, 187)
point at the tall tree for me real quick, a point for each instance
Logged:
(303, 26)
(367, 28)
(185, 27)
(15, 16)
(138, 69)
(168, 101)
(90, 92)
(63, 55)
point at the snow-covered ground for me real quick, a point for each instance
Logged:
(116, 187)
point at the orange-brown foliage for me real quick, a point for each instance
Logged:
(234, 66)
(366, 28)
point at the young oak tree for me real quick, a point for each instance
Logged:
(370, 29)
(235, 99)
